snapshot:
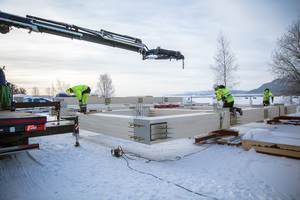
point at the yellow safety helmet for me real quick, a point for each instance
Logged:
(69, 90)
(215, 86)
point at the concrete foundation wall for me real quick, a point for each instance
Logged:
(126, 112)
(251, 115)
(278, 110)
(282, 110)
(289, 109)
(168, 124)
(167, 112)
(114, 125)
(190, 125)
(179, 126)
(125, 100)
(150, 112)
(272, 111)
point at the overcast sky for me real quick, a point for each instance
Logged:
(191, 27)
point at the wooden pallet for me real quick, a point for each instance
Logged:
(272, 148)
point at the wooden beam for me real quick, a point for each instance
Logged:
(272, 148)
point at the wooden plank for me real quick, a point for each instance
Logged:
(272, 148)
(281, 152)
(250, 143)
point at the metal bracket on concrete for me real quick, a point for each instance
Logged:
(136, 137)
(235, 120)
(217, 134)
(132, 125)
(159, 131)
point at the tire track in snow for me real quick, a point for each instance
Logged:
(22, 177)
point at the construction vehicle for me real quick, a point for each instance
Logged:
(17, 127)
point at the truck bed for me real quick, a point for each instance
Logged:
(15, 114)
(18, 120)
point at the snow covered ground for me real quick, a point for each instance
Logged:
(176, 169)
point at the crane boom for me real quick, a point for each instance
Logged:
(40, 25)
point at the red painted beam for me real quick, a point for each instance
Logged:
(224, 132)
(290, 120)
(218, 133)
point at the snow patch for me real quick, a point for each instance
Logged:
(289, 137)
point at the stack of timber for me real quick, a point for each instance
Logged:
(266, 141)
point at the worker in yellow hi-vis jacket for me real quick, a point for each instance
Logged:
(82, 93)
(266, 97)
(228, 101)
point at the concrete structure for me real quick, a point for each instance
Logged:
(124, 100)
(158, 125)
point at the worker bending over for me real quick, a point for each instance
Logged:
(82, 93)
(228, 101)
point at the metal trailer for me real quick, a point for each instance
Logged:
(17, 127)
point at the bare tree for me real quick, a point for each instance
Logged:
(35, 91)
(22, 90)
(61, 86)
(16, 89)
(105, 86)
(53, 90)
(286, 57)
(225, 64)
(48, 91)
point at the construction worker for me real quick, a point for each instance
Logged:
(266, 97)
(228, 101)
(82, 93)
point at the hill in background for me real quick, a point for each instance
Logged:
(277, 87)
